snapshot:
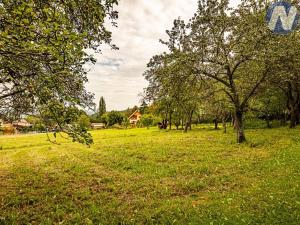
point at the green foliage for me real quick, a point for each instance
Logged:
(118, 126)
(147, 120)
(113, 118)
(43, 55)
(102, 107)
(144, 109)
(94, 118)
(126, 122)
(79, 134)
(105, 119)
(84, 121)
(37, 122)
(215, 64)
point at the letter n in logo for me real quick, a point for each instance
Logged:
(282, 17)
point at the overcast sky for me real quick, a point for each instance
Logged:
(118, 75)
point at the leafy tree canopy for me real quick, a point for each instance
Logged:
(42, 53)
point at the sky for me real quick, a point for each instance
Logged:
(118, 74)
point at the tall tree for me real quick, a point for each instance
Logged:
(102, 107)
(233, 56)
(43, 52)
(172, 81)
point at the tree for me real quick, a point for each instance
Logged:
(84, 121)
(43, 53)
(231, 55)
(37, 123)
(269, 105)
(105, 119)
(285, 73)
(173, 83)
(144, 108)
(126, 122)
(183, 89)
(102, 107)
(115, 118)
(147, 120)
(217, 107)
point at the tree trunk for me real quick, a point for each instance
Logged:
(186, 127)
(165, 124)
(189, 122)
(293, 104)
(216, 124)
(294, 117)
(268, 121)
(283, 119)
(224, 125)
(233, 121)
(240, 127)
(170, 125)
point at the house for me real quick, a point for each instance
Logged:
(20, 124)
(98, 126)
(13, 128)
(135, 118)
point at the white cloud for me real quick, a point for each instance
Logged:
(117, 75)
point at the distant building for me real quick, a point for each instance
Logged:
(12, 128)
(135, 118)
(98, 126)
(22, 124)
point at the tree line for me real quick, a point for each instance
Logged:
(226, 62)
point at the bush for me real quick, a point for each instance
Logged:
(117, 126)
(126, 122)
(115, 118)
(147, 120)
(84, 121)
(104, 119)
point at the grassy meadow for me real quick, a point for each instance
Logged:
(142, 176)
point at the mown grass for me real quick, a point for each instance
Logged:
(145, 176)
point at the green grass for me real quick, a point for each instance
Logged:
(145, 176)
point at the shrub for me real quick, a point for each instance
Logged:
(117, 126)
(84, 121)
(147, 120)
(115, 118)
(126, 122)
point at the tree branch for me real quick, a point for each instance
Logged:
(254, 89)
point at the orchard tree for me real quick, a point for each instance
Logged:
(84, 121)
(147, 120)
(235, 57)
(270, 104)
(115, 118)
(42, 56)
(286, 73)
(172, 81)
